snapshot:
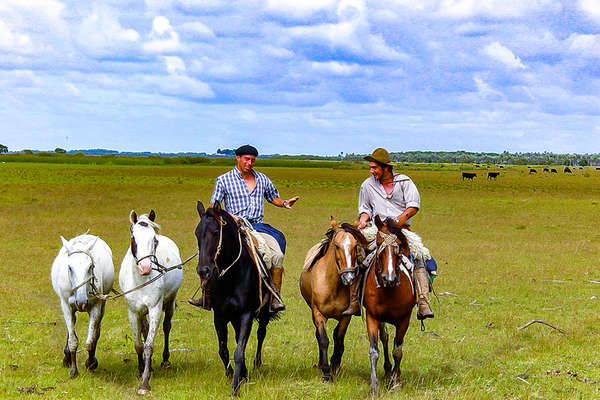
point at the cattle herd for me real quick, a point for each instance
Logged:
(494, 175)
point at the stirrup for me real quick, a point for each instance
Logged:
(199, 302)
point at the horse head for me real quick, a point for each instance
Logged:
(209, 234)
(344, 240)
(391, 245)
(81, 272)
(144, 241)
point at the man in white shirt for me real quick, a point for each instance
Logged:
(395, 196)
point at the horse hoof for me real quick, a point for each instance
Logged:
(143, 392)
(74, 374)
(229, 372)
(327, 379)
(374, 393)
(91, 364)
(234, 393)
(165, 364)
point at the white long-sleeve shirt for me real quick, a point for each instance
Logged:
(373, 200)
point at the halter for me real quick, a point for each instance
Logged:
(389, 240)
(92, 277)
(151, 256)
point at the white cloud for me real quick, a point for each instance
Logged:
(101, 34)
(351, 34)
(181, 86)
(13, 42)
(591, 8)
(586, 46)
(198, 30)
(503, 54)
(336, 68)
(174, 64)
(299, 9)
(494, 8)
(19, 79)
(163, 38)
(277, 52)
(248, 116)
(215, 69)
(485, 91)
(72, 89)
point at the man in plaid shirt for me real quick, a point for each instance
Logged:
(243, 190)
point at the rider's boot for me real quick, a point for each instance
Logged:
(422, 284)
(276, 304)
(204, 300)
(354, 306)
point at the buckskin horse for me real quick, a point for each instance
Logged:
(324, 284)
(389, 297)
(236, 287)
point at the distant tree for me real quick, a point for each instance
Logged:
(3, 149)
(27, 151)
(59, 150)
(583, 163)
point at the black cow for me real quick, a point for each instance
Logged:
(553, 170)
(567, 170)
(493, 175)
(501, 166)
(546, 170)
(468, 175)
(532, 171)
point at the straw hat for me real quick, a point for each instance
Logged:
(380, 155)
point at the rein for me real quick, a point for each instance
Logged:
(161, 272)
(224, 271)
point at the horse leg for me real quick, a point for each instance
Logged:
(135, 321)
(397, 353)
(383, 335)
(96, 313)
(221, 328)
(154, 320)
(169, 311)
(261, 332)
(72, 341)
(242, 327)
(373, 331)
(321, 334)
(338, 344)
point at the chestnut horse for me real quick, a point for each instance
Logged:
(389, 297)
(324, 284)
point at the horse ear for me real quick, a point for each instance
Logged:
(65, 243)
(378, 222)
(217, 206)
(200, 208)
(132, 217)
(152, 215)
(92, 244)
(334, 224)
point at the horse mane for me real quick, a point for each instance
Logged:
(346, 227)
(154, 225)
(398, 231)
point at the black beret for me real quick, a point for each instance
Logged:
(246, 149)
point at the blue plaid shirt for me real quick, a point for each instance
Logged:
(231, 187)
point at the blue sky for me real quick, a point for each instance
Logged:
(292, 77)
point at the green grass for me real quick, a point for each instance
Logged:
(501, 246)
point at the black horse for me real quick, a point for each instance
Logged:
(225, 262)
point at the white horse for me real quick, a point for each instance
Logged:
(82, 269)
(144, 261)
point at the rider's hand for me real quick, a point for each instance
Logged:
(289, 203)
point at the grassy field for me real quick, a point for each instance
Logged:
(519, 248)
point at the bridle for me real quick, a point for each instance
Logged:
(389, 240)
(152, 256)
(222, 223)
(340, 270)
